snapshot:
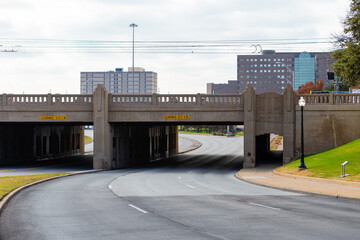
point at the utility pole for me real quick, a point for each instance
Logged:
(133, 25)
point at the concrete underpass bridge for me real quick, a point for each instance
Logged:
(131, 129)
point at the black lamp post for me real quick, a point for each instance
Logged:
(302, 104)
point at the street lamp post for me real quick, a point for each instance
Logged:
(133, 25)
(292, 72)
(302, 163)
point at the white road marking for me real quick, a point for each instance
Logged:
(179, 177)
(110, 186)
(190, 186)
(139, 209)
(264, 206)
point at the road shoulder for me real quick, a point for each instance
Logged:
(265, 175)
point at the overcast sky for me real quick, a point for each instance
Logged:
(58, 71)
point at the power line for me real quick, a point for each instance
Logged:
(157, 46)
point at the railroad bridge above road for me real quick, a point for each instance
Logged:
(129, 129)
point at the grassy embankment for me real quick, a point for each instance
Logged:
(328, 164)
(8, 184)
(87, 139)
(210, 134)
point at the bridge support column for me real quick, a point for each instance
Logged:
(102, 129)
(288, 124)
(250, 127)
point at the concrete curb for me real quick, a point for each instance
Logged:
(314, 179)
(298, 191)
(195, 145)
(10, 195)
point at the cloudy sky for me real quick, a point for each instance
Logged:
(52, 60)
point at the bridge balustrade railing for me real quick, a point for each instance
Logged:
(347, 99)
(71, 99)
(331, 98)
(175, 99)
(44, 100)
(316, 98)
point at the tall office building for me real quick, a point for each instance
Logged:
(119, 81)
(271, 71)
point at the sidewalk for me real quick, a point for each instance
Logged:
(265, 176)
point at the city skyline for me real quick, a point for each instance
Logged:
(57, 70)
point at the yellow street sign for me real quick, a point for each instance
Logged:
(176, 117)
(53, 117)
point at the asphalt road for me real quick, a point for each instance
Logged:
(193, 196)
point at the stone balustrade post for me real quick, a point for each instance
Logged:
(4, 99)
(198, 99)
(49, 99)
(154, 99)
(331, 98)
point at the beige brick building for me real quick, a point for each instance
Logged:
(119, 81)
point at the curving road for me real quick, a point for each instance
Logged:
(192, 196)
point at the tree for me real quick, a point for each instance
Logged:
(347, 57)
(310, 86)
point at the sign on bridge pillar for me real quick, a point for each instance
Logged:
(102, 135)
(250, 127)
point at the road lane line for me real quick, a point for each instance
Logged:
(179, 177)
(264, 206)
(190, 186)
(139, 209)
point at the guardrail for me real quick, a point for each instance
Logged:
(175, 99)
(48, 99)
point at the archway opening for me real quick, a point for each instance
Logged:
(269, 149)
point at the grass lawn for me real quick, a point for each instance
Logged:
(328, 164)
(210, 134)
(8, 184)
(197, 133)
(87, 139)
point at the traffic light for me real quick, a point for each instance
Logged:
(331, 75)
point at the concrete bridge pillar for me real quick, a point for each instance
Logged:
(250, 127)
(102, 128)
(289, 102)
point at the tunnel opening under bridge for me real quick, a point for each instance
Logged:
(269, 149)
(22, 143)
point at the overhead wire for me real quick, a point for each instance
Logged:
(157, 46)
